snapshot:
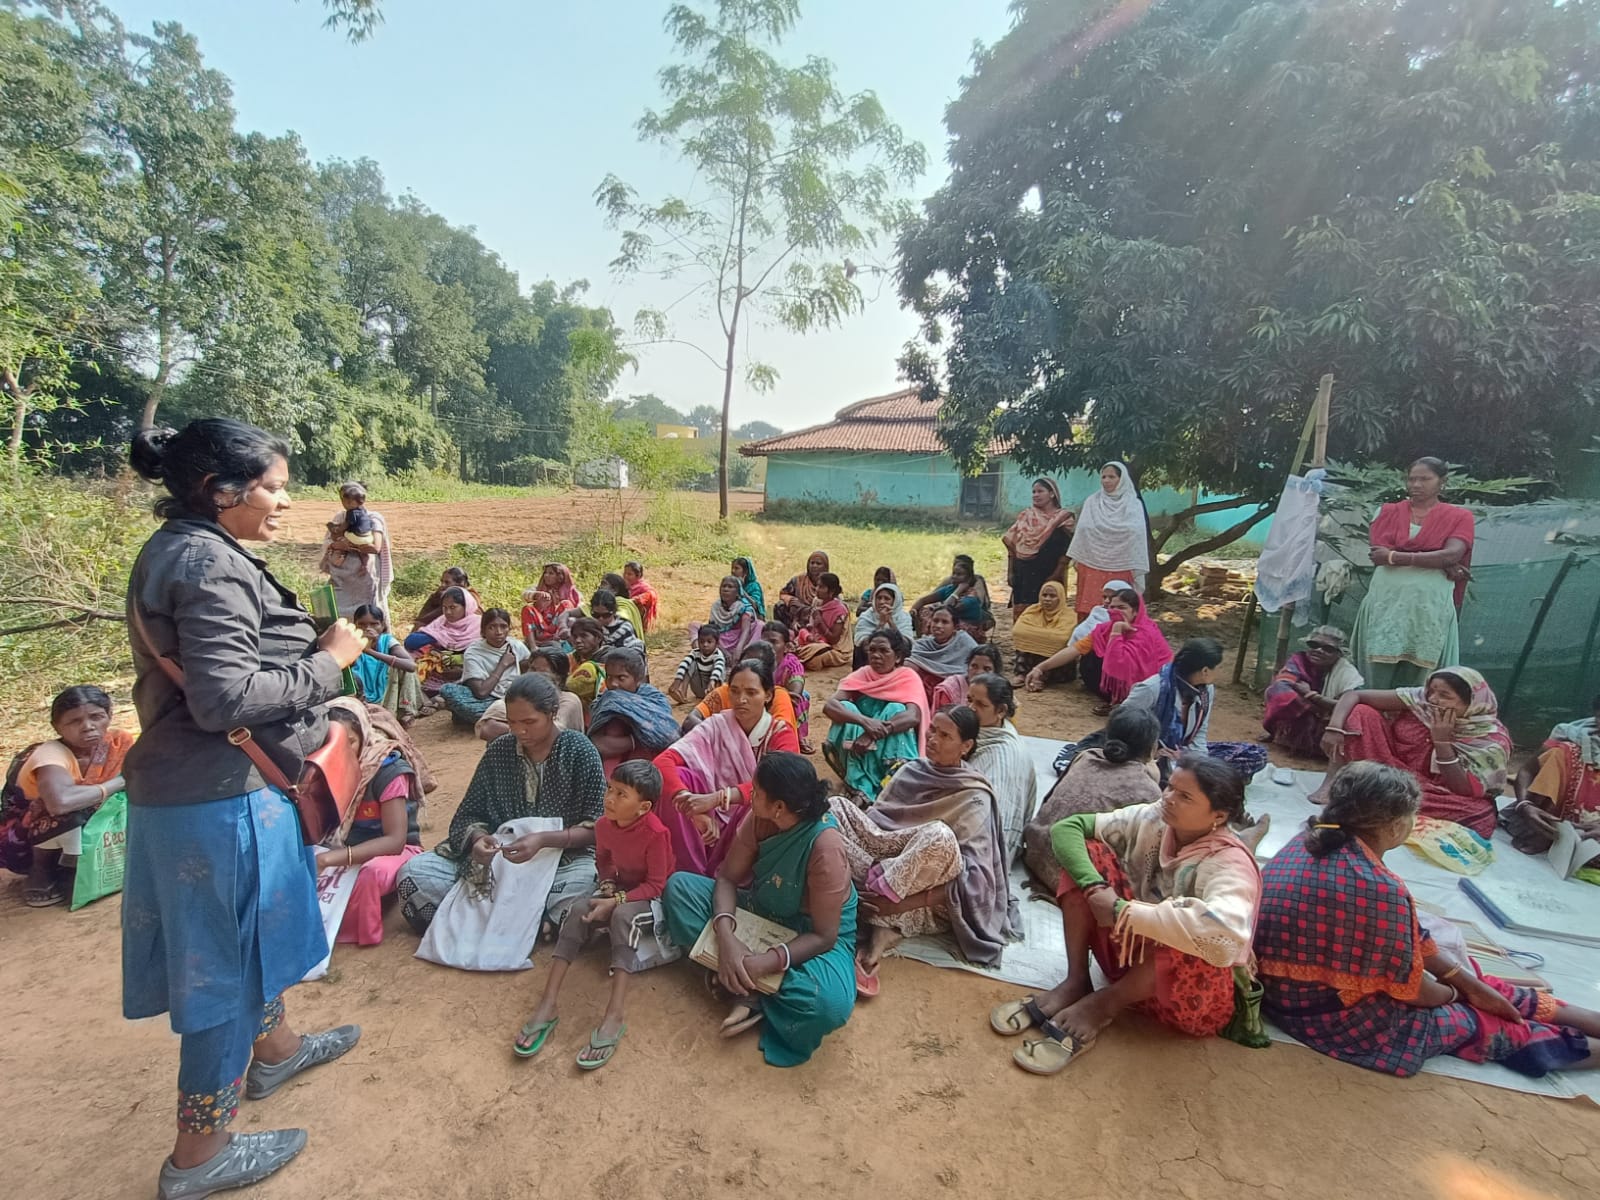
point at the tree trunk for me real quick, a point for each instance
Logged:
(152, 402)
(1160, 571)
(727, 405)
(19, 415)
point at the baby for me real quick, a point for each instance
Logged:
(354, 525)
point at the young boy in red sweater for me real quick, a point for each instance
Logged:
(632, 858)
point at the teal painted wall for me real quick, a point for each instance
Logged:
(931, 481)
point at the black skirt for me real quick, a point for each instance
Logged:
(1028, 575)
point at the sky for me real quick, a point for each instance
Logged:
(504, 115)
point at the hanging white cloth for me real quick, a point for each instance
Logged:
(1288, 569)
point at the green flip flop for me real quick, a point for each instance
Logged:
(606, 1047)
(537, 1033)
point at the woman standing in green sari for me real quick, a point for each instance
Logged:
(1421, 555)
(879, 716)
(791, 852)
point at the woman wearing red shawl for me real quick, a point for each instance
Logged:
(706, 777)
(641, 593)
(557, 581)
(1447, 734)
(879, 716)
(1037, 544)
(1422, 559)
(1117, 654)
(1348, 970)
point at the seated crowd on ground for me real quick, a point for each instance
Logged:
(694, 817)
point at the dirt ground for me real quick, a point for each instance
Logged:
(915, 1097)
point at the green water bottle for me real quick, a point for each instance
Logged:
(325, 614)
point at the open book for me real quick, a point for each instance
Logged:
(1571, 851)
(756, 932)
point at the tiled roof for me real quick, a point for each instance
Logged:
(899, 423)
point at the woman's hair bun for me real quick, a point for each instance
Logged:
(1116, 750)
(148, 452)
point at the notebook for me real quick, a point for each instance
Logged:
(1571, 851)
(1563, 911)
(1486, 951)
(756, 932)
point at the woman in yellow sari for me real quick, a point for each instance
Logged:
(1043, 629)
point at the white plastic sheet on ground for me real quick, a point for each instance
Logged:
(1039, 961)
(496, 934)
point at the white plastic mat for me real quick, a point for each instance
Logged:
(1039, 960)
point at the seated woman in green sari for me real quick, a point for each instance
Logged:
(879, 716)
(790, 853)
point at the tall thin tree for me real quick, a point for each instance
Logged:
(792, 176)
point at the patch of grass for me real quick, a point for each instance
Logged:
(890, 520)
(921, 559)
(428, 489)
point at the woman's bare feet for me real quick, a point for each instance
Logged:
(1064, 995)
(1252, 833)
(1085, 1019)
(1320, 796)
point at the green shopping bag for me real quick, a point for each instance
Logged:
(105, 852)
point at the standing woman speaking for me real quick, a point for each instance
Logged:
(219, 910)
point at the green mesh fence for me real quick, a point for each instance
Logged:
(1529, 559)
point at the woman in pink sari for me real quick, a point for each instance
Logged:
(706, 777)
(454, 629)
(1119, 653)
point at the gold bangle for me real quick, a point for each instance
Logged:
(349, 856)
(620, 897)
(1450, 974)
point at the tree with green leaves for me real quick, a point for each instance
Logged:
(792, 174)
(171, 118)
(1163, 225)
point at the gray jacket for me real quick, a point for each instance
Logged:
(249, 656)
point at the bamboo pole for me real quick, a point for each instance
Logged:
(1316, 433)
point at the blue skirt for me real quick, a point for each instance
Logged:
(207, 888)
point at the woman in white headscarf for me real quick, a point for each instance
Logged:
(1110, 541)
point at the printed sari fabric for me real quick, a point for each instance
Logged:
(1568, 781)
(1192, 996)
(1340, 952)
(648, 603)
(826, 641)
(751, 588)
(1404, 742)
(1294, 722)
(644, 715)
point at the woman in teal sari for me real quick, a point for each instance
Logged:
(790, 850)
(879, 716)
(745, 572)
